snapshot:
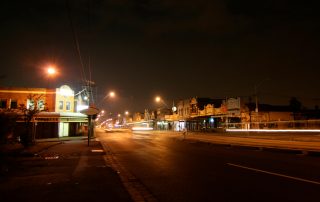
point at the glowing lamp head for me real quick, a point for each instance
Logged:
(112, 94)
(51, 71)
(174, 109)
(158, 99)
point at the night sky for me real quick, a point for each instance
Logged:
(175, 49)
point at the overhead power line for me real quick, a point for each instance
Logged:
(88, 83)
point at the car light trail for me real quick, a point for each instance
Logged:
(273, 130)
(141, 128)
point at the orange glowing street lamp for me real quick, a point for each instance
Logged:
(51, 71)
(112, 94)
(158, 99)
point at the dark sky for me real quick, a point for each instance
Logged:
(176, 49)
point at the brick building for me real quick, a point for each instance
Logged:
(57, 117)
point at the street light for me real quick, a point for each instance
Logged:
(51, 71)
(158, 99)
(110, 94)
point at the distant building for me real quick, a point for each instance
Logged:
(206, 114)
(197, 114)
(266, 116)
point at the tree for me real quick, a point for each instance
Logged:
(35, 105)
(295, 104)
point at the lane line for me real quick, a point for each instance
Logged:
(276, 174)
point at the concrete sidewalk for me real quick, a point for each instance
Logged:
(70, 171)
(305, 143)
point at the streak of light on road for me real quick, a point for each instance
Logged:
(275, 174)
(270, 130)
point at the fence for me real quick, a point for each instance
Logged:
(298, 124)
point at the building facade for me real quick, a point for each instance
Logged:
(56, 117)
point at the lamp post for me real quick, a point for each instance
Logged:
(126, 118)
(111, 94)
(158, 99)
(91, 112)
(256, 86)
(173, 109)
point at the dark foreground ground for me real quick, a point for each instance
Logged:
(69, 171)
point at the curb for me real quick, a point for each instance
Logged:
(306, 152)
(136, 189)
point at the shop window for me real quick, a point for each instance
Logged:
(68, 106)
(14, 104)
(30, 104)
(60, 105)
(41, 105)
(3, 103)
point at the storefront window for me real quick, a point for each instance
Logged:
(41, 105)
(61, 105)
(3, 103)
(30, 104)
(68, 106)
(14, 104)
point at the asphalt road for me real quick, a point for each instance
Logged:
(173, 169)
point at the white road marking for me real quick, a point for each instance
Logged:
(276, 174)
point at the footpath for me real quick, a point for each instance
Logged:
(67, 170)
(306, 143)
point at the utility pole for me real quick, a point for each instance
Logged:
(256, 98)
(91, 111)
(256, 86)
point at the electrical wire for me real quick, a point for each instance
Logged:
(76, 41)
(88, 83)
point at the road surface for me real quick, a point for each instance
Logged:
(174, 169)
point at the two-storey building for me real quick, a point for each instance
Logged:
(57, 116)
